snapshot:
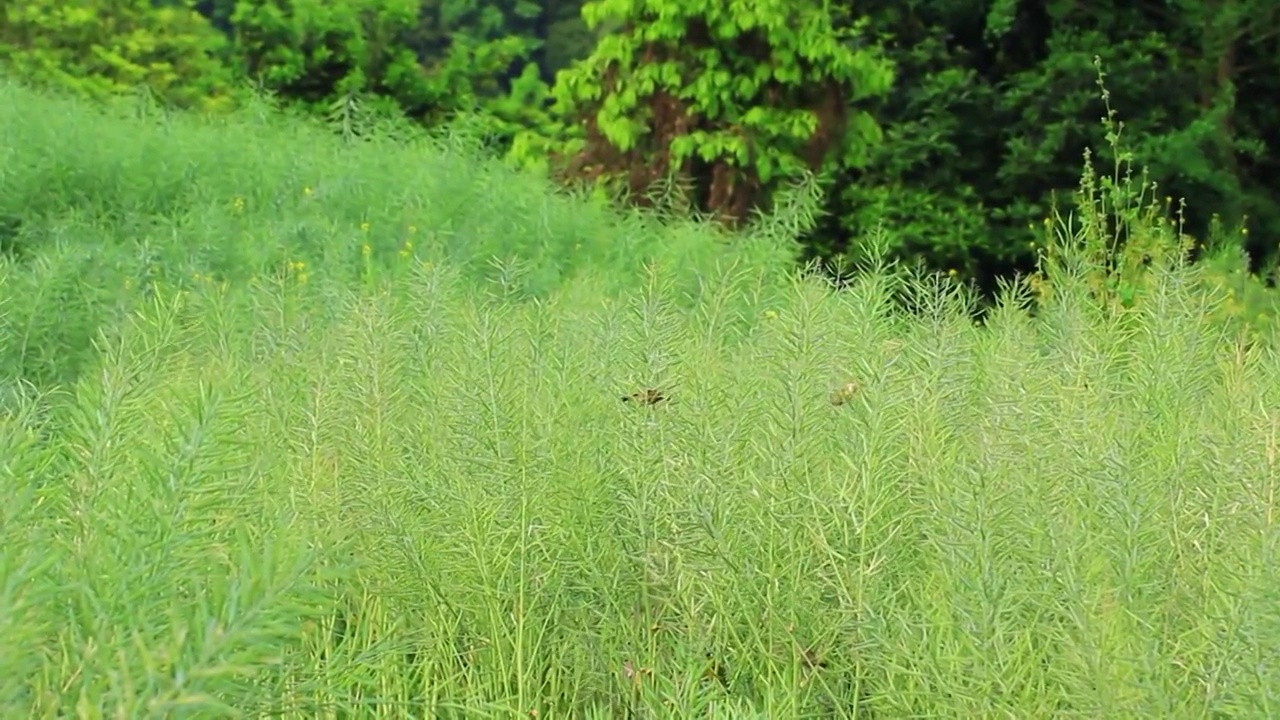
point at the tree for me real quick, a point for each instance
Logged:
(997, 103)
(313, 51)
(726, 98)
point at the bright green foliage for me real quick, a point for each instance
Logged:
(732, 97)
(102, 47)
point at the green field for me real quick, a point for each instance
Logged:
(296, 428)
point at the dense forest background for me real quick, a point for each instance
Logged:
(949, 127)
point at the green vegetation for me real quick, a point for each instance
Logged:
(953, 128)
(300, 426)
(725, 101)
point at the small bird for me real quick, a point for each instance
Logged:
(844, 394)
(648, 396)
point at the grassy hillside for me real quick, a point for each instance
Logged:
(253, 469)
(108, 206)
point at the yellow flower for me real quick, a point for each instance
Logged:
(364, 227)
(307, 191)
(771, 314)
(366, 250)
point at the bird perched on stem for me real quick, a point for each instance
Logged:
(844, 393)
(648, 396)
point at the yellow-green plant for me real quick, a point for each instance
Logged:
(100, 49)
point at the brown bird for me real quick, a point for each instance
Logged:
(648, 396)
(844, 394)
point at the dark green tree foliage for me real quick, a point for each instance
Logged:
(925, 184)
(476, 48)
(1223, 153)
(218, 12)
(997, 102)
(435, 59)
(727, 98)
(567, 37)
(313, 51)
